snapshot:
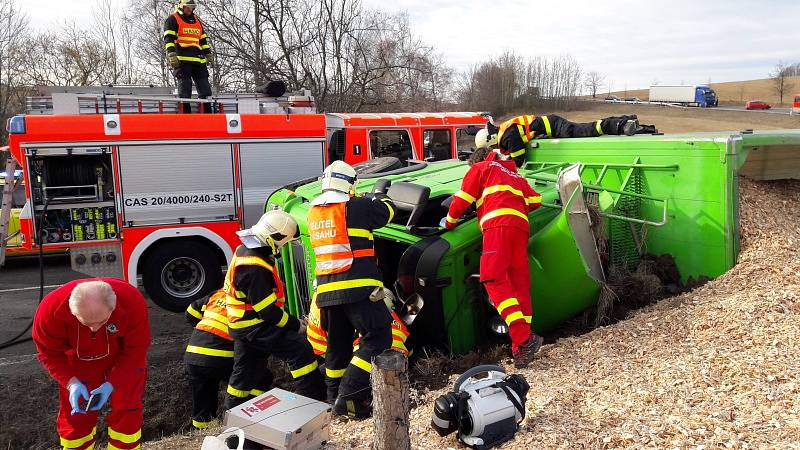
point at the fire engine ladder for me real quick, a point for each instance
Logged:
(104, 100)
(10, 185)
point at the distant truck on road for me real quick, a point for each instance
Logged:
(687, 95)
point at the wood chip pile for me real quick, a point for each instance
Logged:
(716, 367)
(713, 368)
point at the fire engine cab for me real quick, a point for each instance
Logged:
(132, 188)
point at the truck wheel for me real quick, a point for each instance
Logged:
(378, 165)
(179, 272)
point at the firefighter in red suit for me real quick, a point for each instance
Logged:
(503, 200)
(92, 337)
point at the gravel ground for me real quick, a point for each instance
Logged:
(715, 367)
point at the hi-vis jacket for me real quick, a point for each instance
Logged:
(341, 235)
(318, 337)
(211, 344)
(501, 195)
(186, 37)
(254, 293)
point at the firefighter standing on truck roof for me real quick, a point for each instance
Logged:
(514, 134)
(92, 336)
(318, 337)
(349, 286)
(257, 320)
(188, 52)
(209, 357)
(503, 200)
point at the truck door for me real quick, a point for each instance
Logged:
(336, 145)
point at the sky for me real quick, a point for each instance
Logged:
(633, 43)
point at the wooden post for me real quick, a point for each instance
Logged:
(391, 403)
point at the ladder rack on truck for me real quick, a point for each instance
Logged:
(105, 100)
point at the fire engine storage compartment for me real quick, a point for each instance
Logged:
(203, 191)
(72, 193)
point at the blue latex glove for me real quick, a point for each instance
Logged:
(76, 391)
(104, 391)
(443, 222)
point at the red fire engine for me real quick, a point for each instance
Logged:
(132, 188)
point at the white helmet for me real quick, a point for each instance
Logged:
(339, 176)
(274, 229)
(484, 140)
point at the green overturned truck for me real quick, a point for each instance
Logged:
(657, 194)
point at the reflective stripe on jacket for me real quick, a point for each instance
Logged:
(501, 195)
(521, 125)
(341, 233)
(318, 337)
(242, 311)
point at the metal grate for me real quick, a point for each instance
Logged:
(625, 238)
(301, 277)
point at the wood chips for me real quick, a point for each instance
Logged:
(714, 368)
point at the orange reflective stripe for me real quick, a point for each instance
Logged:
(330, 239)
(365, 253)
(235, 307)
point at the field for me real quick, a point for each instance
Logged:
(736, 92)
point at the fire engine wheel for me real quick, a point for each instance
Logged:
(177, 273)
(378, 165)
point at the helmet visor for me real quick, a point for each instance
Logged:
(249, 239)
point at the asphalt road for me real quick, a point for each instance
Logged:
(19, 295)
(773, 110)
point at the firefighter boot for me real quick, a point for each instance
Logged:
(353, 408)
(616, 125)
(630, 128)
(525, 353)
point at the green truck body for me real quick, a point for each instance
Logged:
(657, 194)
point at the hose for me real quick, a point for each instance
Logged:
(18, 339)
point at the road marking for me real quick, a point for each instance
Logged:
(29, 288)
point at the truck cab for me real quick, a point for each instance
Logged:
(705, 97)
(355, 138)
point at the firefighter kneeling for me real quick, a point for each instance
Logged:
(257, 320)
(349, 286)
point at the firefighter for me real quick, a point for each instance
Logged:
(92, 337)
(257, 320)
(503, 200)
(188, 52)
(349, 286)
(209, 357)
(514, 134)
(318, 337)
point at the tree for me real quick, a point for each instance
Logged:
(14, 28)
(594, 80)
(780, 78)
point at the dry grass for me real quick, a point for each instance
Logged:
(735, 92)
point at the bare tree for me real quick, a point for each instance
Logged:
(780, 77)
(14, 27)
(594, 80)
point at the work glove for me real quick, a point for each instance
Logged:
(445, 224)
(211, 59)
(173, 60)
(104, 391)
(76, 391)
